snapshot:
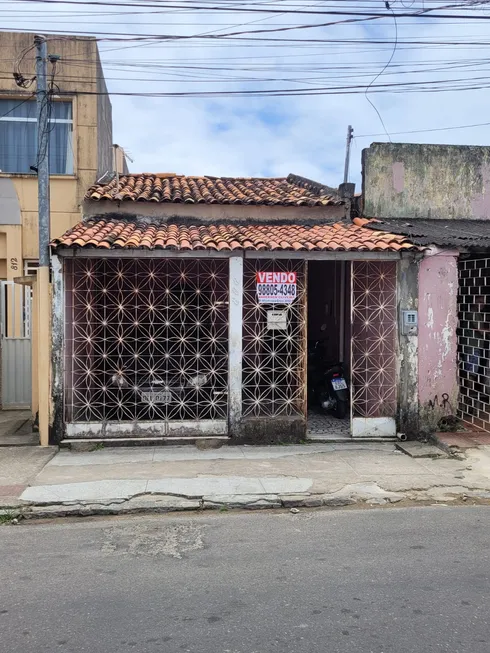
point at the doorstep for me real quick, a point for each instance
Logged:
(91, 443)
(339, 439)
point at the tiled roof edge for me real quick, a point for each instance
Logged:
(312, 186)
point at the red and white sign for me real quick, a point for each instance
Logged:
(276, 287)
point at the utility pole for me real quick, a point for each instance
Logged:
(350, 134)
(44, 307)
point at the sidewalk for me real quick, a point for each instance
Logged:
(19, 467)
(16, 429)
(114, 481)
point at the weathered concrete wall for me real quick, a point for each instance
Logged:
(211, 212)
(408, 299)
(104, 124)
(270, 430)
(403, 180)
(56, 424)
(438, 319)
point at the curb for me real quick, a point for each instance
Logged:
(157, 504)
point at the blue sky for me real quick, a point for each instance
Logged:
(275, 135)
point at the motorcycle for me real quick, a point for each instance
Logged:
(327, 385)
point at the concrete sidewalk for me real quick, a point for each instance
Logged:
(19, 467)
(183, 477)
(16, 429)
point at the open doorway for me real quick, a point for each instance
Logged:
(328, 366)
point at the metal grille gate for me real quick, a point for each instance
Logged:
(274, 362)
(474, 341)
(146, 340)
(15, 343)
(373, 344)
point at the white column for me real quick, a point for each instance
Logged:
(235, 343)
(56, 353)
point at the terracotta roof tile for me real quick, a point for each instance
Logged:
(165, 188)
(115, 234)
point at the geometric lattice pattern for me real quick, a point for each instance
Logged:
(374, 328)
(274, 361)
(474, 341)
(146, 339)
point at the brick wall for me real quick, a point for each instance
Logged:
(474, 341)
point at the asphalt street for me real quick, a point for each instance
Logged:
(399, 579)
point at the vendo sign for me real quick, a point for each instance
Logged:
(276, 287)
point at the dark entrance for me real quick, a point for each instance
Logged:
(329, 336)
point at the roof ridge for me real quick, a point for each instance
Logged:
(169, 187)
(311, 185)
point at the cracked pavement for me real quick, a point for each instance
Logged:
(160, 479)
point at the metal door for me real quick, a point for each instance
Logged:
(15, 344)
(373, 349)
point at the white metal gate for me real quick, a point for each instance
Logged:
(15, 344)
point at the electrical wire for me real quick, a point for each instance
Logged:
(423, 131)
(388, 6)
(27, 99)
(277, 78)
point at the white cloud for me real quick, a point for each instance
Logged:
(275, 136)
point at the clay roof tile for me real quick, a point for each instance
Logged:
(169, 187)
(101, 233)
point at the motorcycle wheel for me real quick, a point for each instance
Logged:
(340, 410)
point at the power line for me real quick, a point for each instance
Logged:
(31, 96)
(423, 131)
(250, 8)
(382, 71)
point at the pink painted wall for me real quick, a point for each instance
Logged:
(438, 319)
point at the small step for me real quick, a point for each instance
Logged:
(23, 440)
(68, 443)
(334, 439)
(416, 449)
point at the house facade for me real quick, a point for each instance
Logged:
(190, 307)
(438, 197)
(80, 152)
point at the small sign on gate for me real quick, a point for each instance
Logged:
(276, 287)
(277, 320)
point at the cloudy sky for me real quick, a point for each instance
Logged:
(275, 102)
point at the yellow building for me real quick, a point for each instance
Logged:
(80, 152)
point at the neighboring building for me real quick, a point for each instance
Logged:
(183, 307)
(80, 152)
(439, 197)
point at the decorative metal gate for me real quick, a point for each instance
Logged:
(474, 341)
(274, 361)
(146, 340)
(374, 328)
(15, 343)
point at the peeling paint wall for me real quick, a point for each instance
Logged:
(438, 319)
(405, 180)
(408, 299)
(56, 425)
(210, 212)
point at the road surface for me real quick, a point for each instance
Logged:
(389, 580)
